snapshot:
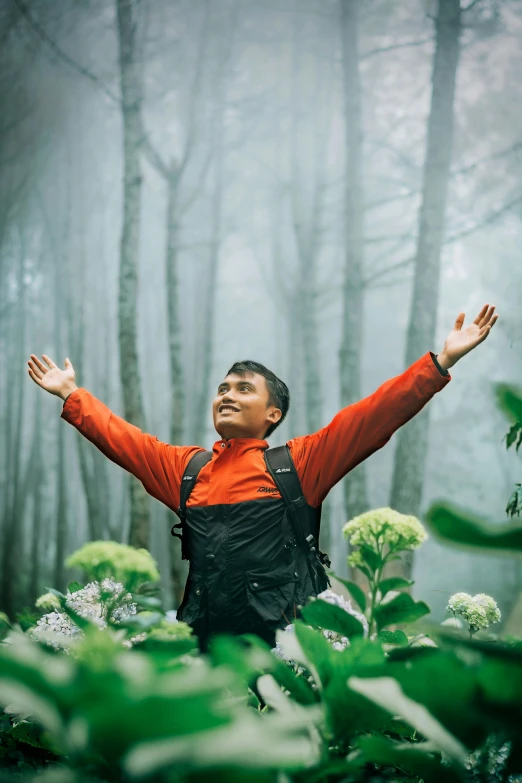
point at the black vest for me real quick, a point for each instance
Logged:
(254, 563)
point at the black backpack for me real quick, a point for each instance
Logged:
(298, 521)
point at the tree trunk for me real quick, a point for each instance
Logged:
(15, 405)
(130, 78)
(412, 447)
(354, 484)
(36, 531)
(178, 569)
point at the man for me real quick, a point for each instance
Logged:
(248, 572)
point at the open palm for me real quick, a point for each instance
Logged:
(50, 377)
(460, 341)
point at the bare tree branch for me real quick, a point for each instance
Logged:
(154, 158)
(456, 172)
(392, 47)
(40, 32)
(486, 221)
(470, 6)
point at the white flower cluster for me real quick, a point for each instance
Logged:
(337, 641)
(479, 611)
(384, 526)
(88, 603)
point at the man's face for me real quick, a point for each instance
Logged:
(241, 408)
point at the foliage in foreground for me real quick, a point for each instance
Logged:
(346, 696)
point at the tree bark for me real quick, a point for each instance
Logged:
(412, 447)
(354, 485)
(130, 78)
(15, 404)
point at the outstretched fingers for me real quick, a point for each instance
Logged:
(38, 366)
(459, 322)
(485, 316)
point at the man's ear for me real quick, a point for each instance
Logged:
(275, 415)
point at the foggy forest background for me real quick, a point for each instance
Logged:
(318, 185)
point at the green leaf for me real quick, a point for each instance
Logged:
(515, 432)
(146, 601)
(355, 591)
(509, 399)
(73, 587)
(81, 622)
(514, 505)
(418, 759)
(388, 694)
(321, 614)
(393, 583)
(141, 622)
(393, 637)
(401, 609)
(451, 523)
(370, 557)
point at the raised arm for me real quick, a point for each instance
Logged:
(360, 429)
(159, 466)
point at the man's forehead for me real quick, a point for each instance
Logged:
(253, 377)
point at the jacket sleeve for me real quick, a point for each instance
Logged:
(360, 429)
(159, 466)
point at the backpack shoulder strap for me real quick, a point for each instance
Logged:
(282, 469)
(190, 476)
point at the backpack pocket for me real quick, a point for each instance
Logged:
(191, 606)
(271, 598)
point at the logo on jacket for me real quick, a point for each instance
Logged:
(267, 489)
(283, 470)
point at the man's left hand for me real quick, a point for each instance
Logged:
(461, 341)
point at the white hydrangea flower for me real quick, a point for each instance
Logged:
(87, 603)
(60, 624)
(48, 601)
(384, 526)
(479, 611)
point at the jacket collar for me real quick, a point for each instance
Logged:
(239, 445)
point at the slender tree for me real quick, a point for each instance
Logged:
(131, 96)
(355, 488)
(412, 447)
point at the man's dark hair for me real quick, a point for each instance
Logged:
(278, 393)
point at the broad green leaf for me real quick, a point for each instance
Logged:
(269, 742)
(393, 583)
(388, 694)
(401, 609)
(321, 614)
(454, 524)
(141, 622)
(29, 701)
(393, 637)
(509, 398)
(420, 759)
(355, 591)
(370, 557)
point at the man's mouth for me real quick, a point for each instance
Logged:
(223, 408)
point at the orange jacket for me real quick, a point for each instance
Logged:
(237, 471)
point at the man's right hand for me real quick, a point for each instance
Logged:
(51, 378)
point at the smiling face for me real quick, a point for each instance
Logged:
(242, 407)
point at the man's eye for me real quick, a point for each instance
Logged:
(245, 387)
